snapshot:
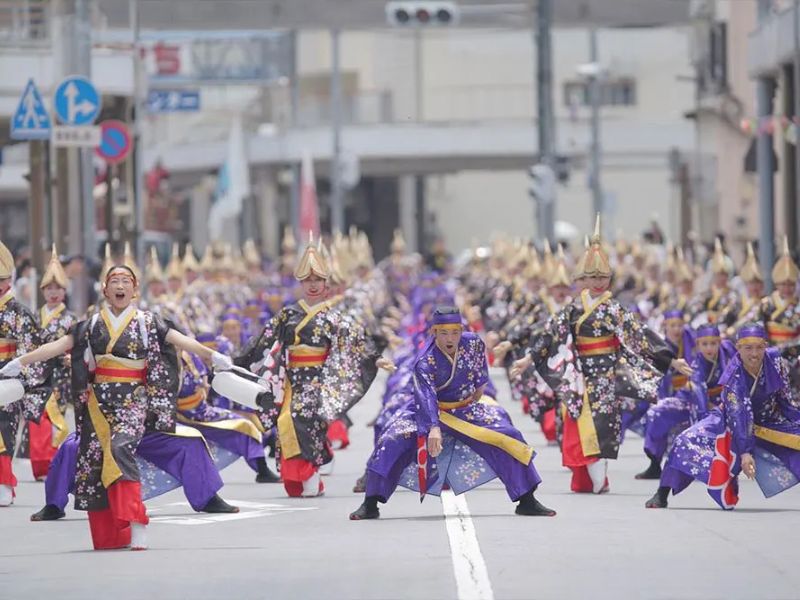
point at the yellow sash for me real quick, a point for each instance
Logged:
(514, 448)
(110, 471)
(781, 438)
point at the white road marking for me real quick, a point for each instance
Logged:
(247, 510)
(472, 577)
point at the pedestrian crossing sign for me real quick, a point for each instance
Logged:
(31, 121)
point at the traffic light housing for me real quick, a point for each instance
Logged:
(542, 184)
(422, 14)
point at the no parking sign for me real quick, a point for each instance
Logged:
(115, 141)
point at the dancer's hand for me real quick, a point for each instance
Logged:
(682, 367)
(748, 466)
(501, 350)
(519, 367)
(12, 368)
(492, 339)
(386, 364)
(221, 362)
(435, 442)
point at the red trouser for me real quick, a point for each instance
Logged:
(111, 528)
(549, 425)
(6, 472)
(337, 431)
(41, 445)
(294, 472)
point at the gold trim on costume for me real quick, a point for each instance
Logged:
(590, 307)
(110, 471)
(781, 438)
(287, 435)
(47, 316)
(112, 331)
(57, 419)
(241, 425)
(513, 447)
(590, 444)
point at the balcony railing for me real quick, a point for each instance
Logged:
(24, 22)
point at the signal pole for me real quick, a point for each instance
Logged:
(546, 210)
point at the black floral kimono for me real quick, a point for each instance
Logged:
(19, 334)
(318, 364)
(125, 379)
(592, 354)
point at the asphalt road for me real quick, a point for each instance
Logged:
(597, 547)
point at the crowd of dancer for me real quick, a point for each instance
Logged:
(180, 371)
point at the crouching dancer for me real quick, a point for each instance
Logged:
(469, 438)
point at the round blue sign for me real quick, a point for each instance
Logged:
(77, 101)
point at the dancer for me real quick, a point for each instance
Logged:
(450, 419)
(135, 382)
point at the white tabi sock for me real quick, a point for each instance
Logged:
(138, 536)
(598, 471)
(328, 468)
(311, 486)
(6, 495)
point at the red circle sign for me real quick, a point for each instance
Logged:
(115, 141)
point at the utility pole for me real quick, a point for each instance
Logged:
(546, 118)
(136, 186)
(598, 204)
(36, 213)
(337, 200)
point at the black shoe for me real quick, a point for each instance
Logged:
(265, 474)
(367, 510)
(651, 472)
(49, 513)
(218, 505)
(361, 485)
(529, 506)
(659, 499)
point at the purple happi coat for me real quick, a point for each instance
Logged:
(757, 416)
(479, 440)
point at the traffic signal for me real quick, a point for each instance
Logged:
(422, 14)
(542, 184)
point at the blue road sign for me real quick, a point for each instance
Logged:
(31, 120)
(160, 101)
(76, 101)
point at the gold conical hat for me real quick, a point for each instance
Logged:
(54, 273)
(596, 263)
(312, 262)
(398, 242)
(252, 257)
(548, 262)
(175, 267)
(6, 262)
(785, 270)
(108, 262)
(288, 244)
(534, 266)
(580, 265)
(129, 261)
(189, 260)
(670, 265)
(559, 276)
(207, 262)
(683, 273)
(751, 270)
(719, 263)
(153, 271)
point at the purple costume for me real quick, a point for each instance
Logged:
(757, 416)
(679, 408)
(479, 441)
(230, 435)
